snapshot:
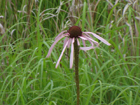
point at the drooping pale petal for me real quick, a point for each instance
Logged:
(89, 39)
(71, 54)
(87, 48)
(61, 54)
(98, 37)
(82, 37)
(50, 50)
(78, 42)
(60, 34)
(84, 42)
(69, 42)
(66, 39)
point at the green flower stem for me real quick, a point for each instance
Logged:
(76, 56)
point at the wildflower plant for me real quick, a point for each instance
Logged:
(72, 37)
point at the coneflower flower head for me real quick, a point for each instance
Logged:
(75, 33)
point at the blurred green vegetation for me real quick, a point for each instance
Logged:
(108, 75)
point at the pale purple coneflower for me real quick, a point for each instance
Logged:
(74, 33)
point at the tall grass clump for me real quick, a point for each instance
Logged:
(107, 75)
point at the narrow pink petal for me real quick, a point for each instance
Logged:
(69, 42)
(71, 54)
(87, 48)
(66, 39)
(50, 50)
(78, 42)
(84, 43)
(98, 37)
(61, 54)
(89, 39)
(60, 34)
(82, 37)
(95, 42)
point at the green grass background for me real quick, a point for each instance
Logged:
(109, 75)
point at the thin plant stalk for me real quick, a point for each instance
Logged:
(76, 55)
